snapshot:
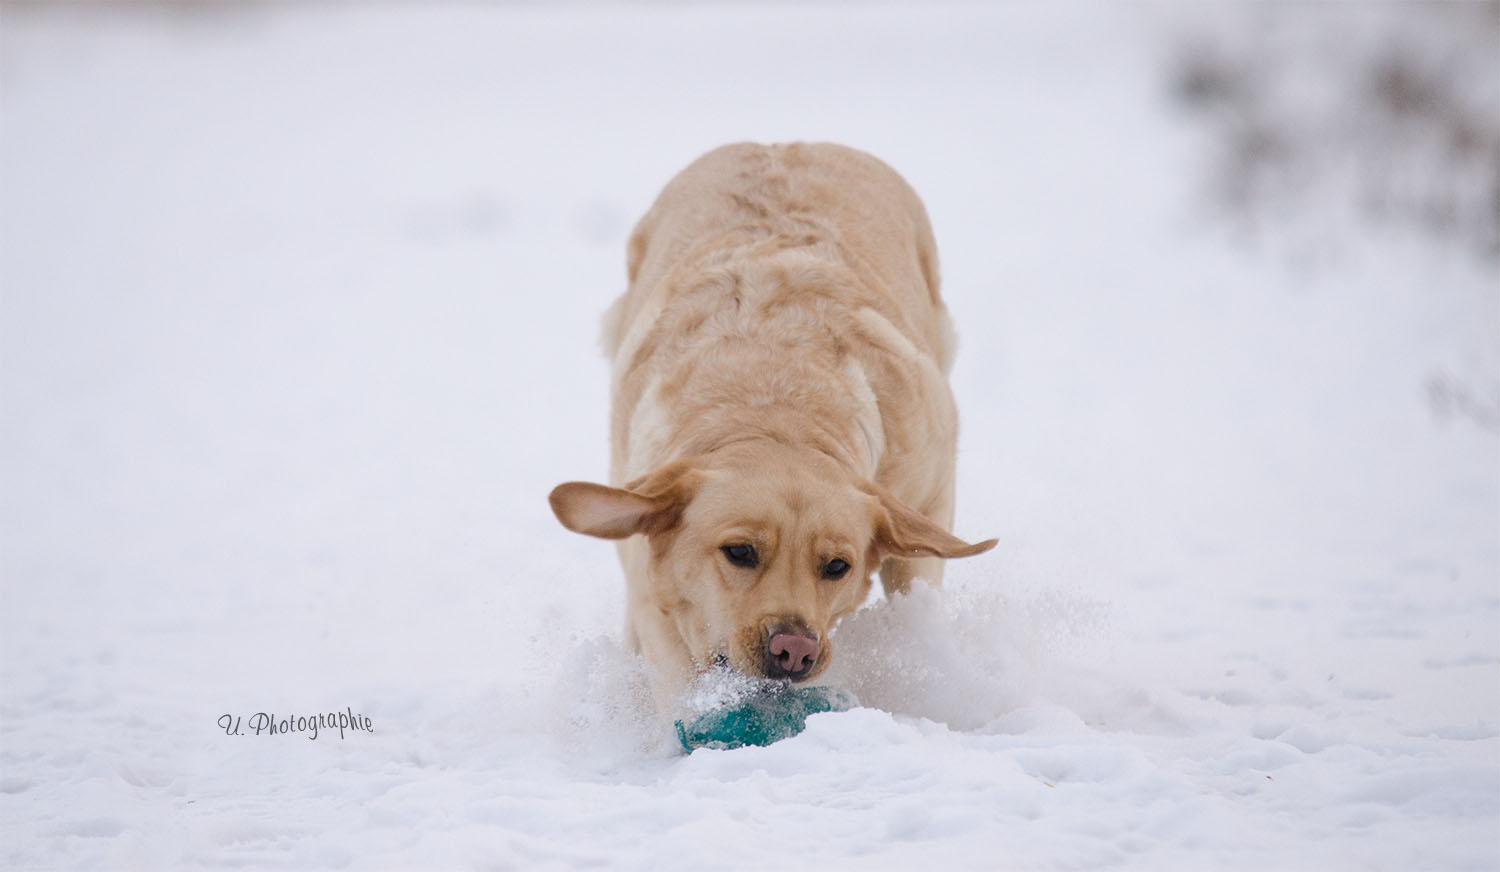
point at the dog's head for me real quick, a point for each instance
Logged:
(758, 550)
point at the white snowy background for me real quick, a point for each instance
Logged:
(298, 328)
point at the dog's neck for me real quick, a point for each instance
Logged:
(782, 425)
(759, 348)
(831, 410)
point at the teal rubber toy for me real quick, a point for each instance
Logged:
(764, 717)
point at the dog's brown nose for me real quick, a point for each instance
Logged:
(790, 655)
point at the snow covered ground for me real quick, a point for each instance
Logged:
(298, 329)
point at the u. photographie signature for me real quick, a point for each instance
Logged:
(263, 724)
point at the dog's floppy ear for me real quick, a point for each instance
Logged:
(903, 532)
(651, 504)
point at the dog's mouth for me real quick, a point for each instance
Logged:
(764, 668)
(719, 663)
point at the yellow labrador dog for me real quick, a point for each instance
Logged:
(782, 423)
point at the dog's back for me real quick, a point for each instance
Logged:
(814, 207)
(793, 195)
(784, 197)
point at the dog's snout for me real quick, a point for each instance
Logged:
(791, 654)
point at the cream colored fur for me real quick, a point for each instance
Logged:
(780, 369)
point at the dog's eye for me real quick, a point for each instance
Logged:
(741, 555)
(835, 569)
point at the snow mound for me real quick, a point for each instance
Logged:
(963, 656)
(968, 657)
